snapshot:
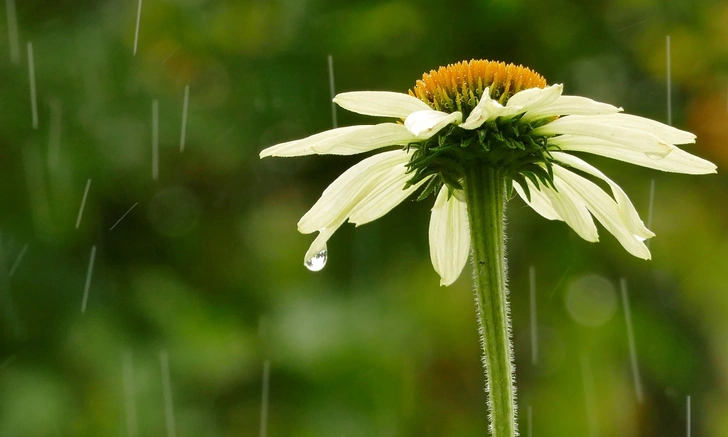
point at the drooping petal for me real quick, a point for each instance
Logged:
(365, 140)
(319, 243)
(449, 236)
(344, 194)
(664, 132)
(604, 208)
(387, 194)
(539, 201)
(425, 124)
(380, 103)
(303, 147)
(572, 209)
(629, 214)
(530, 99)
(677, 161)
(570, 105)
(586, 126)
(487, 109)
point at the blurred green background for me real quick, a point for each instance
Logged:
(204, 272)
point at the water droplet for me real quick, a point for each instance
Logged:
(318, 261)
(656, 156)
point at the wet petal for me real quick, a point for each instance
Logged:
(380, 103)
(604, 208)
(585, 126)
(570, 105)
(449, 237)
(425, 124)
(344, 194)
(677, 161)
(389, 192)
(319, 243)
(664, 132)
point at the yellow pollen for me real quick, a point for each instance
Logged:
(459, 87)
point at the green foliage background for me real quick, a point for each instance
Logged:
(207, 265)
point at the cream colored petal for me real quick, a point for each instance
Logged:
(449, 237)
(319, 243)
(572, 209)
(629, 214)
(570, 105)
(380, 103)
(487, 109)
(605, 209)
(530, 99)
(578, 142)
(303, 147)
(666, 133)
(425, 124)
(342, 196)
(539, 201)
(589, 127)
(365, 140)
(677, 161)
(382, 198)
(564, 204)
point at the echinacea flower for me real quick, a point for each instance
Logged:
(487, 113)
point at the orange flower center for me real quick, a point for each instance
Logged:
(459, 87)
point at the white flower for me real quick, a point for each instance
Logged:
(374, 186)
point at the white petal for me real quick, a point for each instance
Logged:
(572, 209)
(365, 140)
(531, 98)
(487, 109)
(586, 126)
(425, 124)
(388, 193)
(342, 196)
(666, 133)
(564, 204)
(570, 105)
(539, 201)
(449, 236)
(380, 103)
(677, 161)
(319, 243)
(604, 208)
(303, 147)
(629, 214)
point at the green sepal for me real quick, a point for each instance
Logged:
(522, 182)
(506, 145)
(432, 186)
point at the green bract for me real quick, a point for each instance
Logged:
(508, 145)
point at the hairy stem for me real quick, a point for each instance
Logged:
(485, 191)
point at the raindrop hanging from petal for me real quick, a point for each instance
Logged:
(318, 261)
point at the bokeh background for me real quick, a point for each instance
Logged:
(200, 319)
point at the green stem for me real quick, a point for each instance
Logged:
(485, 191)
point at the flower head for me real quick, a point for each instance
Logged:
(487, 113)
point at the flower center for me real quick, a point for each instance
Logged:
(459, 87)
(507, 144)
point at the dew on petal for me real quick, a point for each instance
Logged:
(658, 155)
(318, 261)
